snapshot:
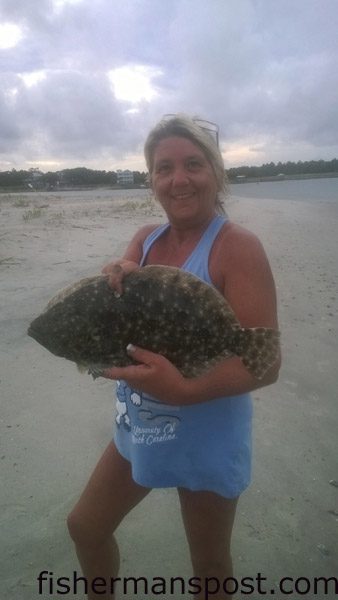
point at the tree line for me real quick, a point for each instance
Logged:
(309, 167)
(81, 176)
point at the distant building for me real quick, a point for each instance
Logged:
(124, 177)
(35, 179)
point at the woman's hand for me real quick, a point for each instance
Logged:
(154, 375)
(117, 270)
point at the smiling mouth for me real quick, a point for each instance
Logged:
(183, 196)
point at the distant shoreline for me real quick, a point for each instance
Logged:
(239, 181)
(68, 188)
(283, 177)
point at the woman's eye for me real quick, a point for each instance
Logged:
(163, 168)
(194, 164)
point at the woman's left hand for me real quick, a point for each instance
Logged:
(154, 375)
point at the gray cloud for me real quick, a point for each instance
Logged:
(264, 71)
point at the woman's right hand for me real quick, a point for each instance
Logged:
(117, 270)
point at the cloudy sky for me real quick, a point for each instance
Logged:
(82, 81)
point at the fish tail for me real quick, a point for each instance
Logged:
(258, 348)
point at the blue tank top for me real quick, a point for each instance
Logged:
(204, 446)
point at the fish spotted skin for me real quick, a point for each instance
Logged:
(163, 309)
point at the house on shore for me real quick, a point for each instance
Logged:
(125, 177)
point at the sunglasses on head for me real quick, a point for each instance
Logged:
(208, 126)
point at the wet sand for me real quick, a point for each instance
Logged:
(55, 422)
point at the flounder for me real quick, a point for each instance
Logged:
(163, 309)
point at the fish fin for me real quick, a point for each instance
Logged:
(258, 348)
(95, 372)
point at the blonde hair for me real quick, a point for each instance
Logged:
(184, 126)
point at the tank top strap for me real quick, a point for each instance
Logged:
(150, 239)
(198, 261)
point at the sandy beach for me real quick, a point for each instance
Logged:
(55, 422)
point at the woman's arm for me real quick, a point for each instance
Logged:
(249, 287)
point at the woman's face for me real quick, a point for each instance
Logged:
(183, 181)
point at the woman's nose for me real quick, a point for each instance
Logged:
(180, 177)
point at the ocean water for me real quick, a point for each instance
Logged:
(325, 189)
(298, 189)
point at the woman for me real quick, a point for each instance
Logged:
(202, 445)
